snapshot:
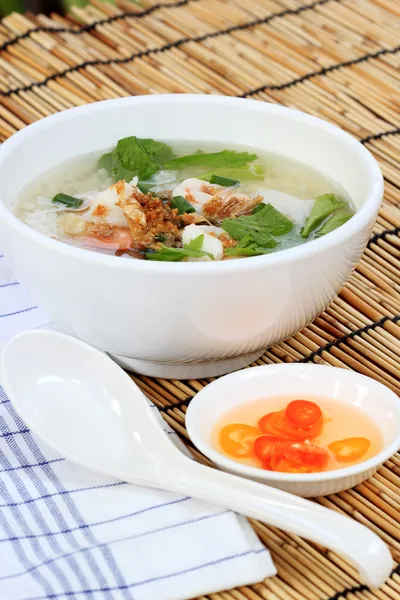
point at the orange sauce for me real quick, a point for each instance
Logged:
(340, 421)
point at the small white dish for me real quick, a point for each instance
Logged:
(303, 380)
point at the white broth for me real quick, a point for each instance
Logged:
(183, 202)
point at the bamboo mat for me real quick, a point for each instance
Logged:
(336, 59)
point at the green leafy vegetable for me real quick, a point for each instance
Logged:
(133, 157)
(324, 206)
(165, 253)
(145, 187)
(141, 157)
(225, 181)
(196, 243)
(159, 151)
(252, 250)
(247, 247)
(70, 201)
(264, 222)
(250, 172)
(337, 219)
(105, 162)
(276, 222)
(225, 158)
(182, 205)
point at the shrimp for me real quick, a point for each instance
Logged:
(106, 207)
(229, 205)
(196, 191)
(215, 202)
(96, 235)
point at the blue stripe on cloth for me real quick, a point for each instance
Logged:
(35, 513)
(6, 285)
(113, 520)
(38, 464)
(114, 570)
(73, 491)
(20, 552)
(18, 312)
(167, 576)
(8, 433)
(132, 537)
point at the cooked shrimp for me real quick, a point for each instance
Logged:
(197, 192)
(106, 206)
(229, 205)
(97, 235)
(215, 202)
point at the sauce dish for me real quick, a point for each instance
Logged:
(297, 381)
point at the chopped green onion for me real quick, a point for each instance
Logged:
(182, 205)
(225, 181)
(145, 187)
(68, 200)
(160, 237)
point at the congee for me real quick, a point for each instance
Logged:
(151, 200)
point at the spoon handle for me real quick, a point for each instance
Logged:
(293, 514)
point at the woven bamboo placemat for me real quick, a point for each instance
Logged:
(337, 59)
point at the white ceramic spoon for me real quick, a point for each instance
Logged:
(89, 410)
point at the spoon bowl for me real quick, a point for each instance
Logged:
(85, 407)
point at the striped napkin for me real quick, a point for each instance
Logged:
(66, 533)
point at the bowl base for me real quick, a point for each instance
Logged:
(187, 370)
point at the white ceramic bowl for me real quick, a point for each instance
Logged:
(186, 319)
(302, 380)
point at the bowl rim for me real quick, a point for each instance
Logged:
(356, 224)
(304, 478)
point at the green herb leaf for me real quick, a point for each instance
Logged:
(252, 250)
(182, 205)
(324, 206)
(246, 241)
(337, 219)
(133, 157)
(159, 151)
(250, 172)
(145, 188)
(225, 158)
(196, 243)
(264, 222)
(105, 162)
(225, 181)
(165, 253)
(247, 247)
(68, 200)
(141, 157)
(273, 220)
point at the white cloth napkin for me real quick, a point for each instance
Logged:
(66, 533)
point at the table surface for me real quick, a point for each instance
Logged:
(336, 59)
